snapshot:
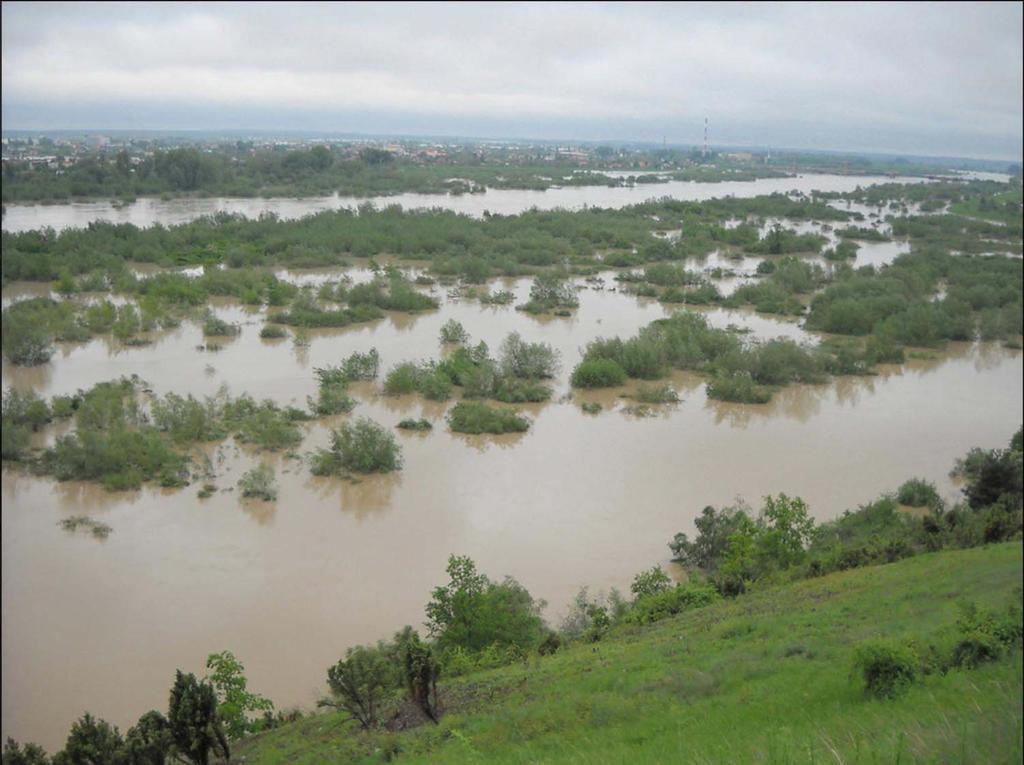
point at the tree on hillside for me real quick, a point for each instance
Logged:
(194, 724)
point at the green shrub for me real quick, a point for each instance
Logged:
(362, 446)
(403, 379)
(651, 582)
(361, 366)
(452, 332)
(474, 613)
(662, 604)
(272, 332)
(887, 667)
(420, 424)
(591, 407)
(656, 394)
(918, 493)
(477, 417)
(259, 482)
(739, 387)
(433, 384)
(598, 373)
(527, 361)
(217, 327)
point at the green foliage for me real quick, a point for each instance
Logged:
(472, 612)
(714, 528)
(548, 294)
(452, 332)
(149, 741)
(918, 493)
(29, 754)
(598, 373)
(98, 529)
(654, 606)
(272, 332)
(194, 723)
(421, 671)
(333, 395)
(235, 702)
(93, 741)
(259, 482)
(26, 340)
(411, 424)
(361, 366)
(403, 379)
(887, 667)
(656, 394)
(359, 683)
(647, 583)
(477, 417)
(24, 412)
(986, 634)
(527, 361)
(214, 326)
(361, 446)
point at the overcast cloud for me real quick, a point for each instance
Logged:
(915, 78)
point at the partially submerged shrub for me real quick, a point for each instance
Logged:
(598, 373)
(477, 417)
(98, 529)
(656, 394)
(361, 366)
(410, 424)
(273, 332)
(452, 332)
(259, 482)
(524, 360)
(362, 446)
(213, 326)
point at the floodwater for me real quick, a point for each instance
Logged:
(101, 625)
(148, 211)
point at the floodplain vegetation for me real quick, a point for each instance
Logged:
(880, 636)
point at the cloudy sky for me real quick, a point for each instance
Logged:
(939, 79)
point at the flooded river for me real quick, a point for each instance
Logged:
(101, 625)
(149, 211)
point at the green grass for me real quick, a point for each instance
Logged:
(765, 678)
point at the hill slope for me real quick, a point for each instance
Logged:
(762, 678)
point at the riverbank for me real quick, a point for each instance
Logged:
(766, 677)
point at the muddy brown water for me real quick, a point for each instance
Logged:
(101, 625)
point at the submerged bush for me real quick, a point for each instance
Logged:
(598, 373)
(362, 446)
(217, 327)
(524, 360)
(477, 417)
(273, 332)
(259, 482)
(419, 425)
(452, 332)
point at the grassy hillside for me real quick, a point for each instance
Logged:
(766, 677)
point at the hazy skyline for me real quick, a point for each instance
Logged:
(940, 79)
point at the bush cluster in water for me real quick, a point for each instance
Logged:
(516, 376)
(361, 446)
(476, 417)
